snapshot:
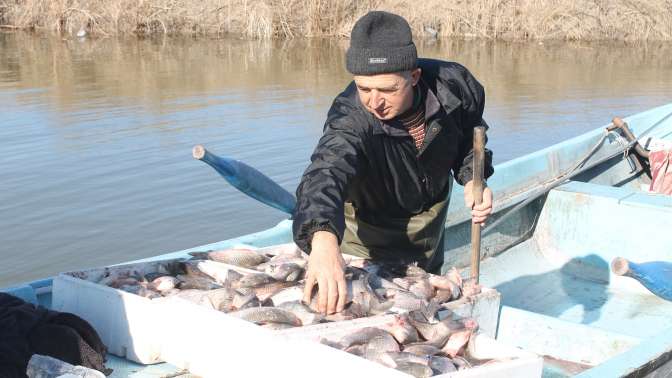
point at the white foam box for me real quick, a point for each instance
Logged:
(128, 324)
(510, 361)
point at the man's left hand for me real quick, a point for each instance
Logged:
(479, 213)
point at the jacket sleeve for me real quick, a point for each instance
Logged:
(322, 191)
(472, 96)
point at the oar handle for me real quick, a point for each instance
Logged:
(477, 188)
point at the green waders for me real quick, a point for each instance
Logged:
(418, 238)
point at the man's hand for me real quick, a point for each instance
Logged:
(326, 269)
(479, 213)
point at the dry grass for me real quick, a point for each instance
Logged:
(632, 20)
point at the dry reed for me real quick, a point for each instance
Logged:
(629, 20)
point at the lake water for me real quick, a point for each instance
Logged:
(96, 135)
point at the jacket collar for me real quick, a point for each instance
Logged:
(433, 102)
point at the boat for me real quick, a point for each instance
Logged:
(561, 214)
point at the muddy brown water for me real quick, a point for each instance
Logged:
(96, 134)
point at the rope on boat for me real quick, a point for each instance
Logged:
(573, 171)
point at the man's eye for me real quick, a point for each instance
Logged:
(365, 90)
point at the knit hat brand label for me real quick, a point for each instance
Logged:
(377, 60)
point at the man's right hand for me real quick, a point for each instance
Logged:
(326, 268)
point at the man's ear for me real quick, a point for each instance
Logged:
(415, 75)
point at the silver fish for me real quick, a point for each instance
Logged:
(303, 312)
(284, 271)
(264, 292)
(400, 357)
(441, 365)
(461, 363)
(415, 369)
(410, 302)
(422, 349)
(361, 336)
(253, 280)
(456, 342)
(196, 282)
(422, 289)
(435, 333)
(261, 315)
(243, 301)
(290, 294)
(402, 330)
(141, 291)
(219, 299)
(164, 283)
(245, 258)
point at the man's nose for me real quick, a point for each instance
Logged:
(376, 99)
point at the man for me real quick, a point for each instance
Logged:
(380, 177)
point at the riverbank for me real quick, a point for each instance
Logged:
(626, 20)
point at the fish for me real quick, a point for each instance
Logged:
(127, 281)
(415, 271)
(457, 341)
(265, 292)
(435, 333)
(443, 296)
(377, 348)
(149, 277)
(422, 349)
(196, 282)
(402, 330)
(360, 337)
(284, 271)
(219, 299)
(402, 282)
(212, 269)
(164, 283)
(290, 294)
(461, 363)
(191, 269)
(455, 276)
(401, 357)
(253, 280)
(441, 365)
(141, 291)
(245, 258)
(422, 289)
(303, 312)
(415, 369)
(262, 315)
(410, 302)
(243, 301)
(442, 282)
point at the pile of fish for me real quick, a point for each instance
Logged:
(266, 287)
(414, 344)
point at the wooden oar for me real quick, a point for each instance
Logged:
(477, 187)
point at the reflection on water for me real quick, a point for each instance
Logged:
(96, 135)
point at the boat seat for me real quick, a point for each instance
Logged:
(622, 195)
(563, 269)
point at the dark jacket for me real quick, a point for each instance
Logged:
(376, 166)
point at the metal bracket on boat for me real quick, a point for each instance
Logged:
(619, 124)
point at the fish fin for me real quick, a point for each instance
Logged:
(431, 309)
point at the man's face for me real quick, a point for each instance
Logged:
(387, 95)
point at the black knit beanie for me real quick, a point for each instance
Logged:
(381, 42)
